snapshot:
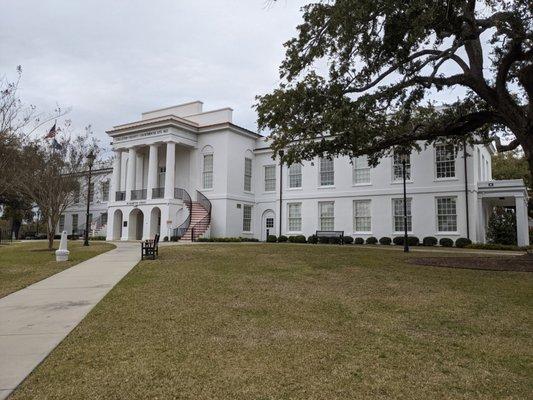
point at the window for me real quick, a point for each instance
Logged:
(397, 215)
(327, 174)
(77, 195)
(445, 161)
(247, 218)
(208, 171)
(270, 178)
(161, 177)
(90, 219)
(295, 217)
(74, 224)
(61, 223)
(361, 215)
(91, 192)
(361, 170)
(446, 214)
(248, 174)
(103, 219)
(397, 168)
(326, 211)
(105, 191)
(295, 176)
(270, 222)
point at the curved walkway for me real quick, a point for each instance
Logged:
(34, 320)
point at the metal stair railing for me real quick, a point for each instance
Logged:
(182, 194)
(206, 204)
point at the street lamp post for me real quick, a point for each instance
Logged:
(404, 157)
(90, 161)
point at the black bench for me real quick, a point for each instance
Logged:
(330, 234)
(150, 248)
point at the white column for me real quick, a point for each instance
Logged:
(153, 163)
(130, 177)
(115, 183)
(522, 228)
(481, 228)
(170, 170)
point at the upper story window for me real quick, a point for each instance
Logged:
(361, 170)
(445, 161)
(207, 177)
(327, 172)
(248, 174)
(397, 167)
(295, 176)
(105, 191)
(270, 178)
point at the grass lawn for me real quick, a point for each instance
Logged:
(22, 264)
(282, 321)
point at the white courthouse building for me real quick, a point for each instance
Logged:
(181, 171)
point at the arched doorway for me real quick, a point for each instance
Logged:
(268, 224)
(136, 222)
(117, 225)
(155, 222)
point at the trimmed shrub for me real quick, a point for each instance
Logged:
(398, 240)
(174, 238)
(272, 238)
(430, 241)
(462, 242)
(359, 240)
(97, 238)
(492, 246)
(446, 242)
(297, 239)
(385, 240)
(73, 237)
(411, 240)
(57, 237)
(249, 239)
(323, 240)
(282, 239)
(347, 239)
(335, 240)
(312, 239)
(165, 239)
(371, 240)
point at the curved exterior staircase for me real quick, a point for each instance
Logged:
(199, 219)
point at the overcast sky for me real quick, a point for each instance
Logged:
(112, 60)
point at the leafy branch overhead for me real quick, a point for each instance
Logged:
(359, 77)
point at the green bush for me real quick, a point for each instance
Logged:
(385, 240)
(297, 239)
(73, 237)
(97, 238)
(282, 239)
(398, 240)
(411, 240)
(165, 239)
(312, 239)
(174, 238)
(446, 242)
(429, 241)
(501, 228)
(347, 239)
(492, 246)
(335, 240)
(359, 240)
(323, 240)
(371, 240)
(272, 238)
(462, 242)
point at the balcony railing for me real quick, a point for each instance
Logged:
(120, 196)
(158, 193)
(139, 194)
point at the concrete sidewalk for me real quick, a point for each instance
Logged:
(34, 320)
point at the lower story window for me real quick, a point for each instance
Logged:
(61, 223)
(103, 219)
(398, 217)
(74, 224)
(446, 214)
(295, 217)
(326, 212)
(247, 218)
(361, 215)
(270, 222)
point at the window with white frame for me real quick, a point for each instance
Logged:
(103, 219)
(295, 217)
(61, 223)
(74, 224)
(105, 190)
(247, 218)
(362, 221)
(207, 178)
(161, 177)
(295, 176)
(327, 172)
(326, 213)
(397, 215)
(270, 178)
(361, 170)
(445, 161)
(77, 195)
(91, 192)
(248, 174)
(447, 214)
(397, 167)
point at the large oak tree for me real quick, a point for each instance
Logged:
(383, 60)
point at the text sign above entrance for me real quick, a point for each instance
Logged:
(140, 135)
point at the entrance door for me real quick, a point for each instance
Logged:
(268, 224)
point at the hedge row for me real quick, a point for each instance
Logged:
(227, 239)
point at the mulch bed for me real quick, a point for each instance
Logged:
(517, 263)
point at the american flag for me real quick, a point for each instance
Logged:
(52, 133)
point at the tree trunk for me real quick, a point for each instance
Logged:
(527, 147)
